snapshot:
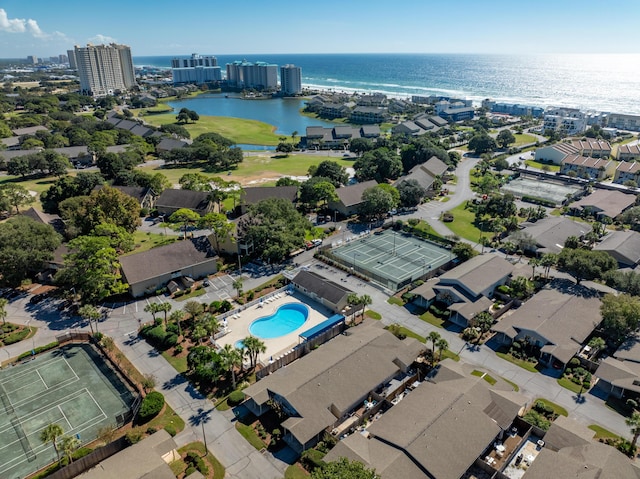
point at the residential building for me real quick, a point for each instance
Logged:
(338, 136)
(628, 152)
(555, 153)
(593, 148)
(171, 200)
(627, 171)
(557, 319)
(350, 198)
(624, 246)
(71, 54)
(513, 109)
(144, 196)
(290, 80)
(104, 69)
(624, 122)
(420, 125)
(326, 292)
(150, 270)
(197, 69)
(368, 114)
(168, 144)
(587, 167)
(567, 121)
(603, 203)
(550, 233)
(258, 75)
(619, 375)
(454, 111)
(438, 430)
(196, 60)
(425, 173)
(322, 389)
(255, 194)
(467, 288)
(334, 110)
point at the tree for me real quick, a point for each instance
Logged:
(380, 164)
(237, 285)
(585, 264)
(231, 358)
(548, 261)
(464, 251)
(483, 321)
(186, 217)
(353, 300)
(534, 262)
(51, 433)
(284, 147)
(92, 268)
(411, 193)
(344, 469)
(294, 134)
(434, 336)
(3, 310)
(376, 203)
(333, 171)
(505, 138)
(441, 345)
(634, 424)
(195, 182)
(25, 246)
(153, 308)
(620, 315)
(193, 309)
(254, 346)
(69, 444)
(16, 195)
(90, 314)
(482, 143)
(165, 308)
(176, 317)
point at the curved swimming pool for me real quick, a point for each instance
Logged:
(285, 320)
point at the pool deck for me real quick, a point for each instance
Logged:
(238, 329)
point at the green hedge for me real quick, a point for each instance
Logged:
(151, 405)
(15, 337)
(39, 349)
(235, 398)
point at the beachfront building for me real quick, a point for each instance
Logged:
(104, 69)
(258, 75)
(593, 148)
(338, 136)
(624, 122)
(568, 121)
(587, 167)
(628, 152)
(197, 69)
(290, 80)
(513, 109)
(627, 171)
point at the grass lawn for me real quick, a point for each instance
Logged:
(450, 355)
(250, 435)
(430, 318)
(372, 314)
(178, 363)
(212, 462)
(518, 362)
(295, 472)
(557, 409)
(537, 164)
(602, 433)
(523, 139)
(426, 227)
(462, 224)
(410, 334)
(571, 386)
(169, 417)
(193, 294)
(237, 129)
(32, 184)
(396, 301)
(484, 376)
(516, 388)
(264, 165)
(145, 241)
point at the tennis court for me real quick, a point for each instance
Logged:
(393, 259)
(72, 387)
(537, 188)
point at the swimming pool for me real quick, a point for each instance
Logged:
(285, 320)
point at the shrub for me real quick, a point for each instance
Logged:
(151, 405)
(155, 335)
(178, 349)
(469, 334)
(413, 222)
(15, 337)
(170, 428)
(190, 470)
(172, 328)
(151, 430)
(170, 340)
(178, 293)
(81, 452)
(235, 398)
(250, 296)
(225, 306)
(39, 349)
(214, 307)
(312, 459)
(574, 362)
(134, 436)
(194, 460)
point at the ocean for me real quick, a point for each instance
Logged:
(598, 82)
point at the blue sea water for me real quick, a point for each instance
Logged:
(598, 82)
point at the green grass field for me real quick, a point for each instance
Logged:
(602, 433)
(518, 362)
(559, 410)
(540, 166)
(523, 139)
(462, 224)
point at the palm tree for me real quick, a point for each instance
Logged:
(51, 433)
(533, 262)
(293, 136)
(365, 300)
(176, 317)
(634, 423)
(193, 309)
(237, 285)
(442, 345)
(353, 300)
(3, 311)
(484, 242)
(547, 261)
(90, 314)
(254, 347)
(231, 358)
(153, 308)
(165, 308)
(434, 336)
(211, 324)
(483, 321)
(69, 444)
(198, 333)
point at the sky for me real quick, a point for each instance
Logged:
(168, 27)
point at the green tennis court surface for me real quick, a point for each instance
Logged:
(393, 259)
(71, 387)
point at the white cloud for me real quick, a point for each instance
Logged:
(29, 26)
(99, 38)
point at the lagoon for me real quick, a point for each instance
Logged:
(282, 113)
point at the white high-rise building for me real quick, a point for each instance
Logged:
(290, 80)
(104, 69)
(198, 69)
(259, 75)
(72, 59)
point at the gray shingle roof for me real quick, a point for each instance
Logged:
(550, 233)
(478, 273)
(352, 195)
(610, 203)
(255, 194)
(172, 198)
(624, 246)
(322, 287)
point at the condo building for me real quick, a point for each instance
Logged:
(104, 69)
(290, 80)
(258, 75)
(197, 69)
